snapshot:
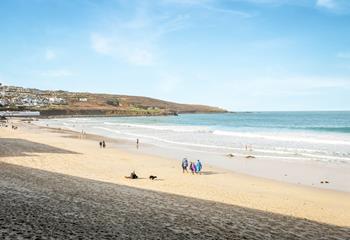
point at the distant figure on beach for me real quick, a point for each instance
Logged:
(100, 144)
(137, 143)
(193, 167)
(132, 175)
(82, 135)
(249, 147)
(184, 165)
(103, 144)
(152, 177)
(198, 167)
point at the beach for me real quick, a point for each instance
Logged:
(48, 164)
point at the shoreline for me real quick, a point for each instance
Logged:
(127, 115)
(216, 184)
(131, 114)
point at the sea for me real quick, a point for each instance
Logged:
(219, 139)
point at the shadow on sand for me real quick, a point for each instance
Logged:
(40, 204)
(210, 173)
(15, 147)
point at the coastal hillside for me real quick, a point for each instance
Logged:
(81, 103)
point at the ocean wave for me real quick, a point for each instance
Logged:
(291, 153)
(174, 128)
(108, 129)
(72, 120)
(285, 138)
(166, 140)
(315, 139)
(330, 129)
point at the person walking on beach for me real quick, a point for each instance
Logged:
(198, 167)
(103, 144)
(137, 143)
(100, 144)
(184, 165)
(193, 167)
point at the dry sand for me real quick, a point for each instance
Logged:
(218, 201)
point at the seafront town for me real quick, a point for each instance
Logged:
(11, 96)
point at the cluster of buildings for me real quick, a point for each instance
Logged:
(18, 96)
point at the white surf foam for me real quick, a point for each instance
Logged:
(285, 137)
(292, 153)
(174, 128)
(217, 145)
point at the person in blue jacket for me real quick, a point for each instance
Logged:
(198, 166)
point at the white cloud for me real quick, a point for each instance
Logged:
(187, 2)
(208, 5)
(133, 52)
(101, 44)
(344, 55)
(56, 73)
(278, 2)
(50, 54)
(229, 11)
(337, 6)
(136, 40)
(326, 3)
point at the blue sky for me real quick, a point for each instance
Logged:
(243, 55)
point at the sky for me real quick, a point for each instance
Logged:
(241, 55)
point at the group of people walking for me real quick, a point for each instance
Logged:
(102, 144)
(193, 167)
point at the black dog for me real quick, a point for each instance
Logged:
(152, 177)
